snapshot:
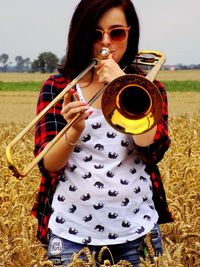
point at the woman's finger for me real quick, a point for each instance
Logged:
(67, 96)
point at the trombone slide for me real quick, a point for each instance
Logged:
(127, 119)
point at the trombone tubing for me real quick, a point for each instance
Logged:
(104, 52)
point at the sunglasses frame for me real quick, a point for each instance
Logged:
(126, 29)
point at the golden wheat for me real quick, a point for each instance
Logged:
(22, 77)
(181, 175)
(165, 75)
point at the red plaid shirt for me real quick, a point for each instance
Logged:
(53, 122)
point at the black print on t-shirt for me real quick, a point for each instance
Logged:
(124, 143)
(87, 218)
(125, 202)
(126, 224)
(147, 217)
(137, 161)
(133, 171)
(136, 211)
(77, 149)
(119, 164)
(72, 209)
(72, 188)
(87, 175)
(113, 193)
(142, 178)
(87, 240)
(112, 236)
(62, 178)
(137, 190)
(99, 185)
(112, 215)
(86, 138)
(96, 126)
(85, 197)
(73, 168)
(73, 231)
(100, 166)
(112, 155)
(145, 198)
(110, 174)
(87, 158)
(124, 182)
(60, 220)
(151, 207)
(140, 230)
(99, 147)
(111, 135)
(98, 206)
(99, 228)
(61, 198)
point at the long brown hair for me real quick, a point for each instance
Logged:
(83, 23)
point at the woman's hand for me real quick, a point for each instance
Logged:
(57, 157)
(72, 108)
(108, 70)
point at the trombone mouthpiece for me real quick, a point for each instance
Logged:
(104, 52)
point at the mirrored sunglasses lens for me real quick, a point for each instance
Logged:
(118, 35)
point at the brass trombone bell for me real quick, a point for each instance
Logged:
(132, 104)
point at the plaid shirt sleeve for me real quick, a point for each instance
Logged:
(45, 131)
(154, 153)
(52, 122)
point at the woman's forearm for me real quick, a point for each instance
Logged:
(58, 155)
(145, 139)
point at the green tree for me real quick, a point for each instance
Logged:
(46, 62)
(19, 63)
(3, 60)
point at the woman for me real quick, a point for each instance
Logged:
(99, 187)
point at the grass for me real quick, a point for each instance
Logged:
(171, 86)
(174, 81)
(20, 86)
(182, 86)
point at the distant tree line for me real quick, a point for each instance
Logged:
(182, 67)
(47, 62)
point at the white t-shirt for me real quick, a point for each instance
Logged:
(105, 196)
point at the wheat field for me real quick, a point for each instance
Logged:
(180, 170)
(181, 176)
(166, 75)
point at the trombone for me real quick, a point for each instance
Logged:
(131, 104)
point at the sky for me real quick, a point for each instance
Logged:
(30, 27)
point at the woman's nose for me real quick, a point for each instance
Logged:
(106, 39)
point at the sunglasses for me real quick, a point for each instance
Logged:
(117, 34)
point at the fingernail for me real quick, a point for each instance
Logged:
(71, 91)
(89, 113)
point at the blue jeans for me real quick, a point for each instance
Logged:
(61, 250)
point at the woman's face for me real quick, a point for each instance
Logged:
(111, 19)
